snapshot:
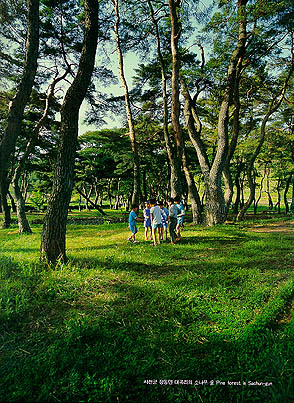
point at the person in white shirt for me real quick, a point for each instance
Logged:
(156, 221)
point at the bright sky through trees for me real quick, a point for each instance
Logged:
(131, 63)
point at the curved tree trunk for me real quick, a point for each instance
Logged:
(23, 224)
(18, 103)
(136, 163)
(175, 112)
(53, 241)
(215, 205)
(89, 201)
(289, 179)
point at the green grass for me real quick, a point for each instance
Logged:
(217, 308)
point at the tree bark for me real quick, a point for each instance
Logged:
(136, 163)
(278, 204)
(260, 190)
(53, 241)
(270, 200)
(174, 163)
(23, 223)
(175, 112)
(175, 107)
(144, 183)
(18, 103)
(238, 186)
(228, 181)
(292, 198)
(215, 205)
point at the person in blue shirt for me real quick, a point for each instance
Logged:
(180, 218)
(164, 219)
(133, 217)
(147, 220)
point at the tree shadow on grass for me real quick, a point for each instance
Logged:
(105, 354)
(18, 250)
(219, 241)
(96, 247)
(180, 267)
(191, 240)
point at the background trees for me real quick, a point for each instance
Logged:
(17, 105)
(208, 112)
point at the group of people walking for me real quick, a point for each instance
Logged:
(156, 220)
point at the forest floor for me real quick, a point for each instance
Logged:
(207, 320)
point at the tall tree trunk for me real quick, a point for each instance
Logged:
(270, 200)
(24, 185)
(292, 198)
(260, 190)
(5, 206)
(136, 163)
(228, 181)
(18, 103)
(23, 223)
(238, 187)
(278, 204)
(175, 111)
(87, 196)
(175, 107)
(193, 194)
(215, 206)
(174, 163)
(109, 181)
(80, 203)
(53, 241)
(289, 179)
(144, 183)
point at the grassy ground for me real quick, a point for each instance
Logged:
(133, 323)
